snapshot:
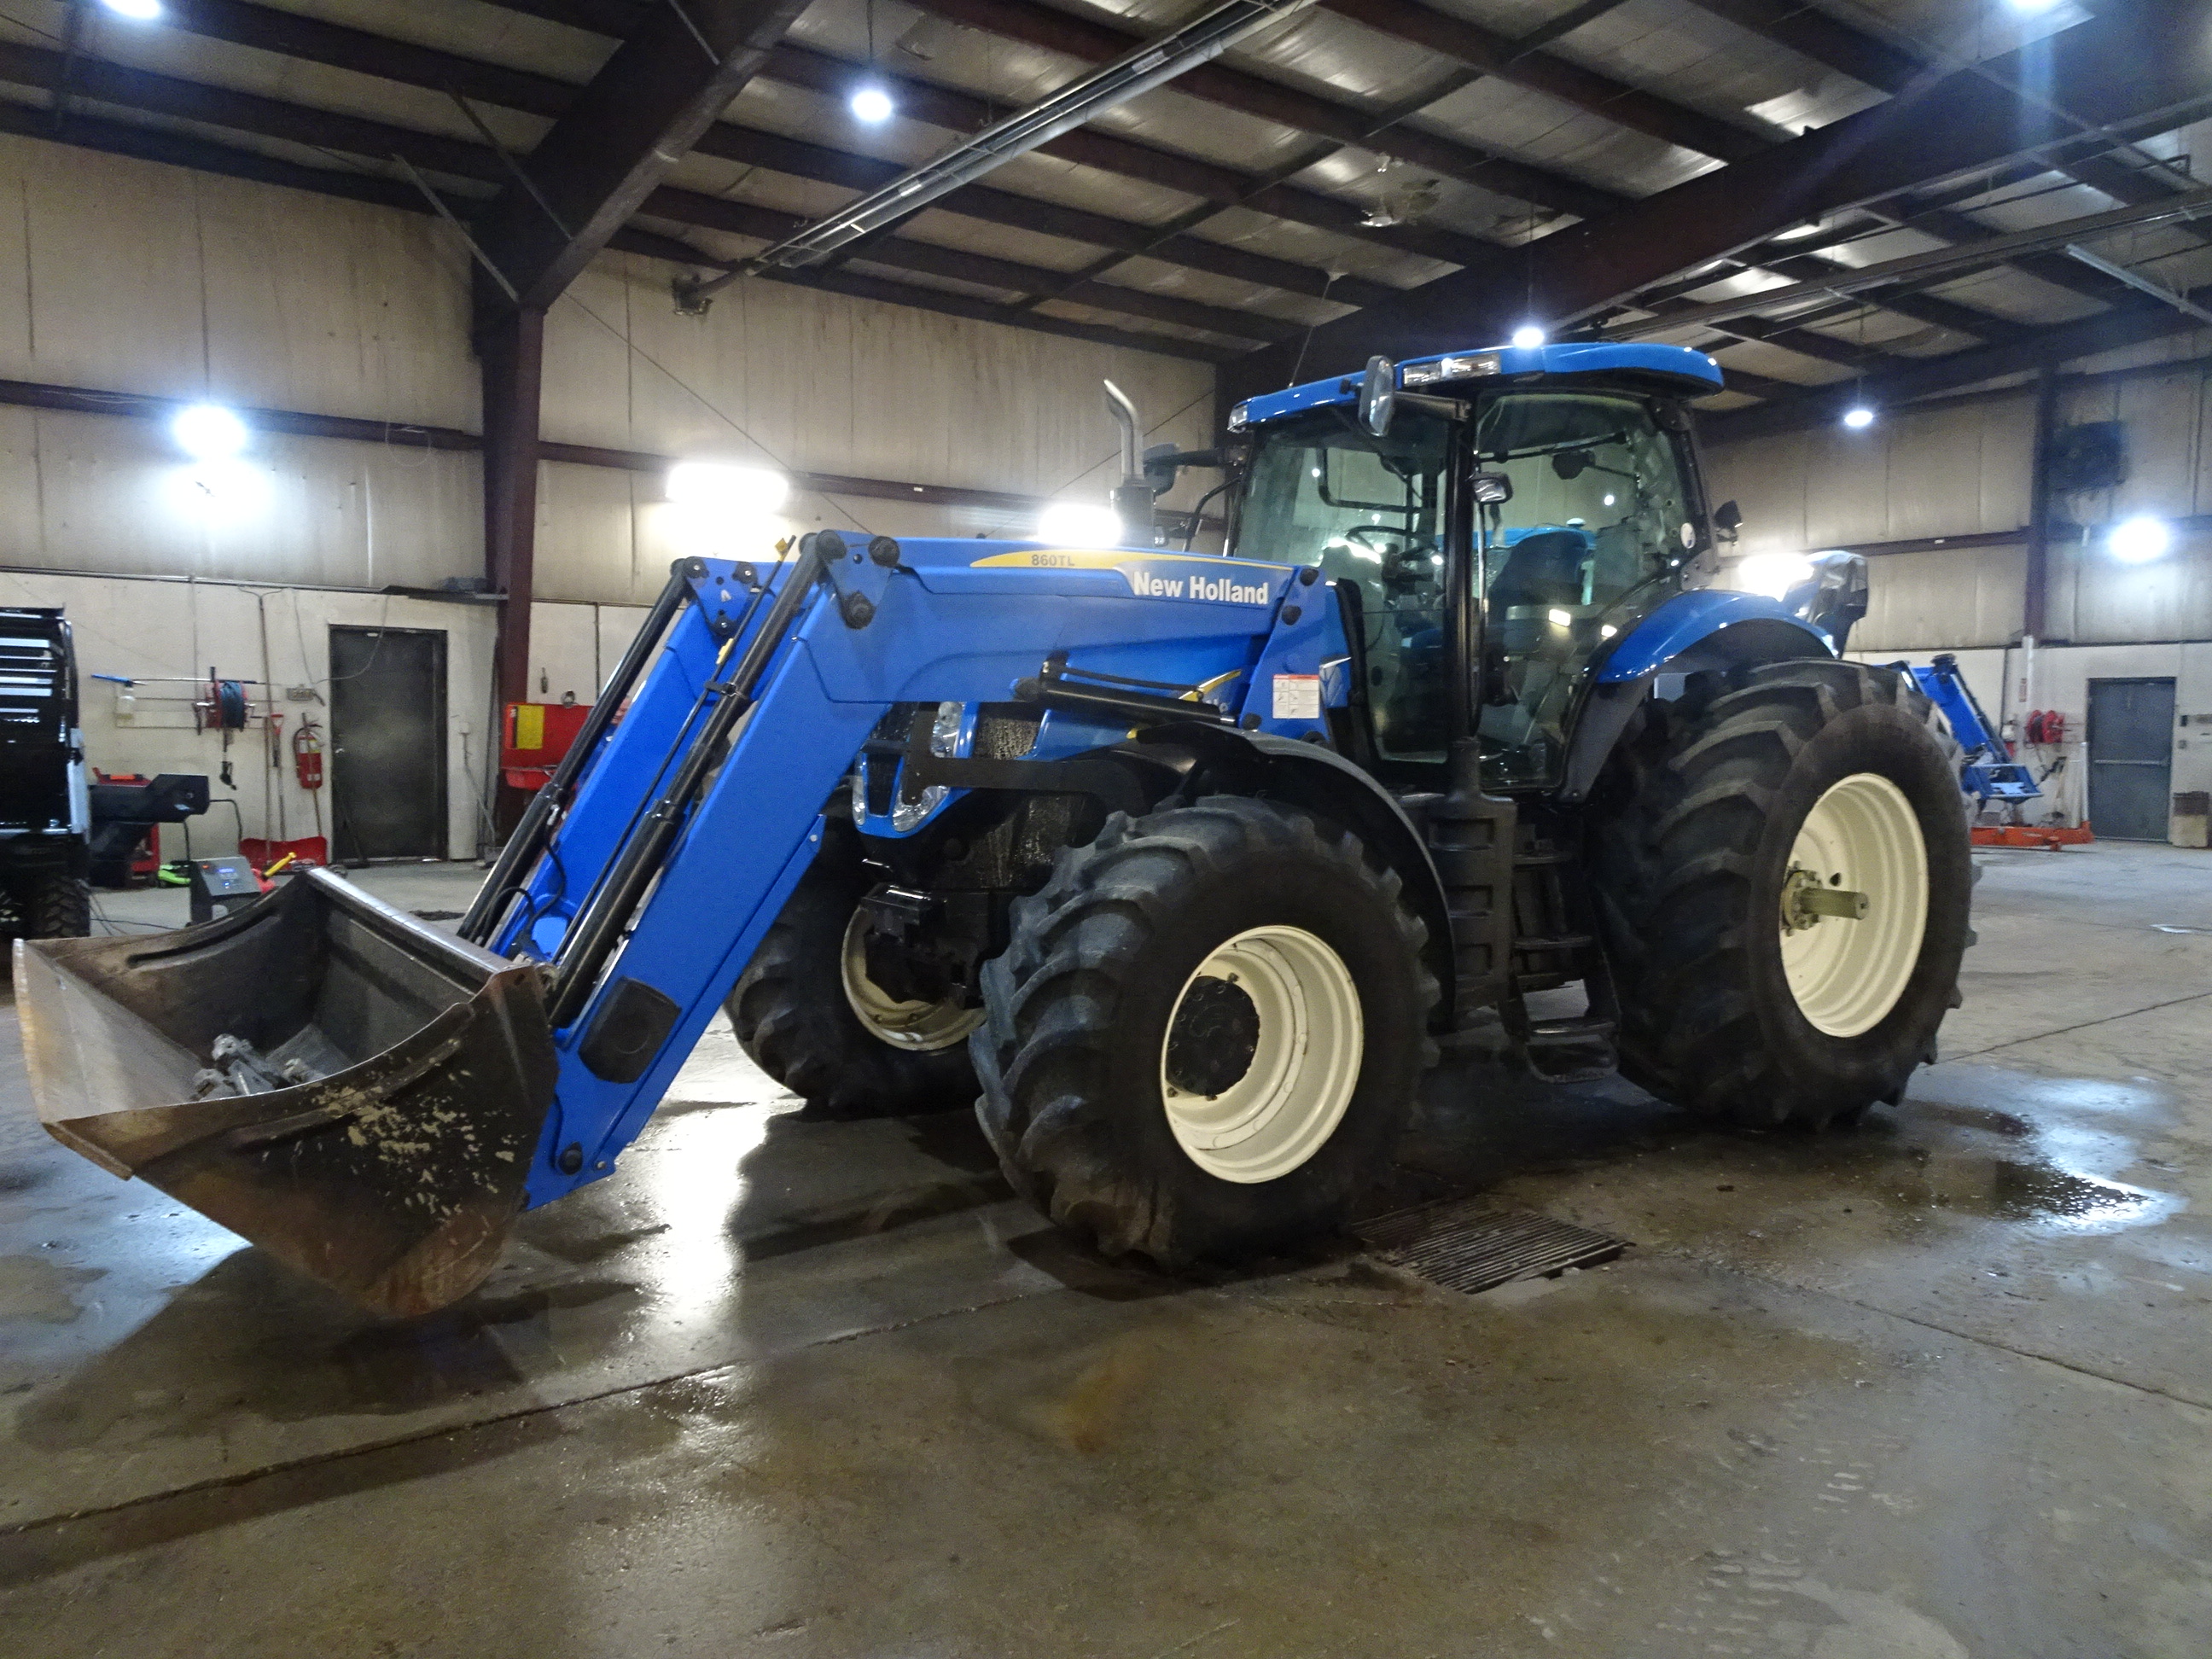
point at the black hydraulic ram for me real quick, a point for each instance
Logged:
(597, 929)
(520, 853)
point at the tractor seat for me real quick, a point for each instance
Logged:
(1545, 569)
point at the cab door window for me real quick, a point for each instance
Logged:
(1372, 513)
(1601, 513)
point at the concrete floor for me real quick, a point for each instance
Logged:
(1937, 1387)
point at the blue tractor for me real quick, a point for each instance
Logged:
(1177, 865)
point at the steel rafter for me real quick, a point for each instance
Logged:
(313, 40)
(2153, 59)
(1900, 381)
(1091, 40)
(1509, 59)
(623, 134)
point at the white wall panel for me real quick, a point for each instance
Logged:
(130, 277)
(127, 275)
(781, 376)
(1950, 472)
(1943, 600)
(85, 492)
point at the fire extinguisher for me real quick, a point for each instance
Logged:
(308, 756)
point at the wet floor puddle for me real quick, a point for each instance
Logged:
(2037, 1192)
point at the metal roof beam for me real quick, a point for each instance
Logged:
(960, 112)
(1509, 59)
(1897, 386)
(313, 40)
(1893, 68)
(640, 114)
(1940, 265)
(1097, 42)
(269, 117)
(2152, 59)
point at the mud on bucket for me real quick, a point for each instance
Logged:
(358, 1094)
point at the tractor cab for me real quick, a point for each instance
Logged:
(1492, 522)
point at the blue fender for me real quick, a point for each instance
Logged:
(1706, 628)
(1703, 623)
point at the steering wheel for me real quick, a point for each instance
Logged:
(1410, 541)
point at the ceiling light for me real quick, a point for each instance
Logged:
(726, 487)
(209, 432)
(1079, 524)
(2141, 539)
(2031, 7)
(1858, 417)
(138, 11)
(872, 104)
(1527, 337)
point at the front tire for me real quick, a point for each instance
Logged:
(1206, 1034)
(1731, 838)
(807, 1014)
(55, 905)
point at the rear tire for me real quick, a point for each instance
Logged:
(55, 905)
(796, 1018)
(1206, 1035)
(1713, 817)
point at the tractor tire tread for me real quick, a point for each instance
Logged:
(1672, 861)
(1053, 998)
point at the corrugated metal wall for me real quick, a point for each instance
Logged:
(1965, 470)
(1943, 472)
(125, 276)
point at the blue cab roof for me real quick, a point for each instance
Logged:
(1696, 372)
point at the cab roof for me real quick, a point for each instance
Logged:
(1675, 368)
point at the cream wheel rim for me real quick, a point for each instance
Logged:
(918, 1027)
(1261, 1055)
(1862, 837)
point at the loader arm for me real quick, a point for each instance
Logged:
(375, 1103)
(938, 623)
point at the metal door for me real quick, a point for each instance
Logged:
(387, 743)
(2131, 758)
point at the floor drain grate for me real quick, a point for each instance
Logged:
(1468, 1245)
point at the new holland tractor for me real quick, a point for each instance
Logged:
(1176, 865)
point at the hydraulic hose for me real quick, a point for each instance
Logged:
(597, 929)
(529, 836)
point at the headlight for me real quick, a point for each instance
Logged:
(1240, 417)
(908, 814)
(945, 731)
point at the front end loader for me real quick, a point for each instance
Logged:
(1177, 866)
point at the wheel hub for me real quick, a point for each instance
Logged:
(1215, 1034)
(1261, 1054)
(919, 1027)
(1854, 905)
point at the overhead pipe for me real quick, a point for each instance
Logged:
(1135, 72)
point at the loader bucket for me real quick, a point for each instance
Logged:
(356, 1093)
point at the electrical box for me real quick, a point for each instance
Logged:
(221, 885)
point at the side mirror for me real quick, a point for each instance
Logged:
(1378, 395)
(1727, 519)
(1571, 463)
(1163, 461)
(1490, 489)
